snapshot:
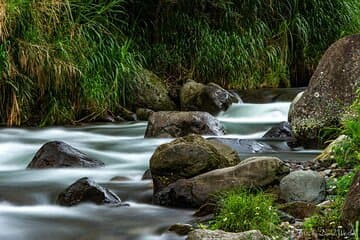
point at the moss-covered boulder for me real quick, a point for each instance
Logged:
(331, 90)
(179, 124)
(209, 98)
(187, 157)
(151, 92)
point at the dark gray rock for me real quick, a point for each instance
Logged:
(86, 190)
(58, 154)
(281, 131)
(303, 186)
(146, 175)
(179, 124)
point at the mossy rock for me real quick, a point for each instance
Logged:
(187, 157)
(151, 92)
(331, 90)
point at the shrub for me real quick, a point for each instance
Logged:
(241, 210)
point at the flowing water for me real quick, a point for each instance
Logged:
(27, 197)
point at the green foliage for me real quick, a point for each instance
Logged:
(64, 58)
(348, 152)
(241, 210)
(242, 44)
(343, 184)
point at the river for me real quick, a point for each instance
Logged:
(27, 197)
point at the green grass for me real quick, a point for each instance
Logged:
(241, 210)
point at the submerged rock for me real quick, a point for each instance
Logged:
(86, 190)
(331, 90)
(303, 186)
(255, 172)
(58, 154)
(204, 234)
(179, 124)
(280, 131)
(187, 157)
(209, 98)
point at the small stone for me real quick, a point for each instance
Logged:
(181, 229)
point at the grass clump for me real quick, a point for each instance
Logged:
(347, 154)
(241, 210)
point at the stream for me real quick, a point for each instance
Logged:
(27, 197)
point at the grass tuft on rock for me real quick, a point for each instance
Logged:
(241, 210)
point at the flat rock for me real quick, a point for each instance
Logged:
(58, 154)
(255, 172)
(203, 234)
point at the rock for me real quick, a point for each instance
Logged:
(151, 92)
(209, 98)
(282, 131)
(126, 114)
(181, 229)
(146, 175)
(86, 190)
(285, 217)
(351, 209)
(61, 155)
(206, 209)
(245, 145)
(187, 157)
(179, 124)
(255, 172)
(303, 186)
(120, 179)
(143, 114)
(331, 90)
(204, 234)
(299, 210)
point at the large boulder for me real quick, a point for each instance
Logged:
(255, 172)
(179, 124)
(351, 209)
(58, 154)
(331, 90)
(303, 186)
(187, 157)
(151, 92)
(208, 98)
(204, 234)
(86, 190)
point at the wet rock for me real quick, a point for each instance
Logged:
(187, 157)
(120, 179)
(351, 209)
(58, 154)
(206, 209)
(181, 229)
(203, 234)
(146, 175)
(269, 95)
(299, 210)
(281, 131)
(209, 98)
(143, 114)
(179, 124)
(151, 92)
(255, 172)
(86, 190)
(331, 90)
(303, 186)
(245, 145)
